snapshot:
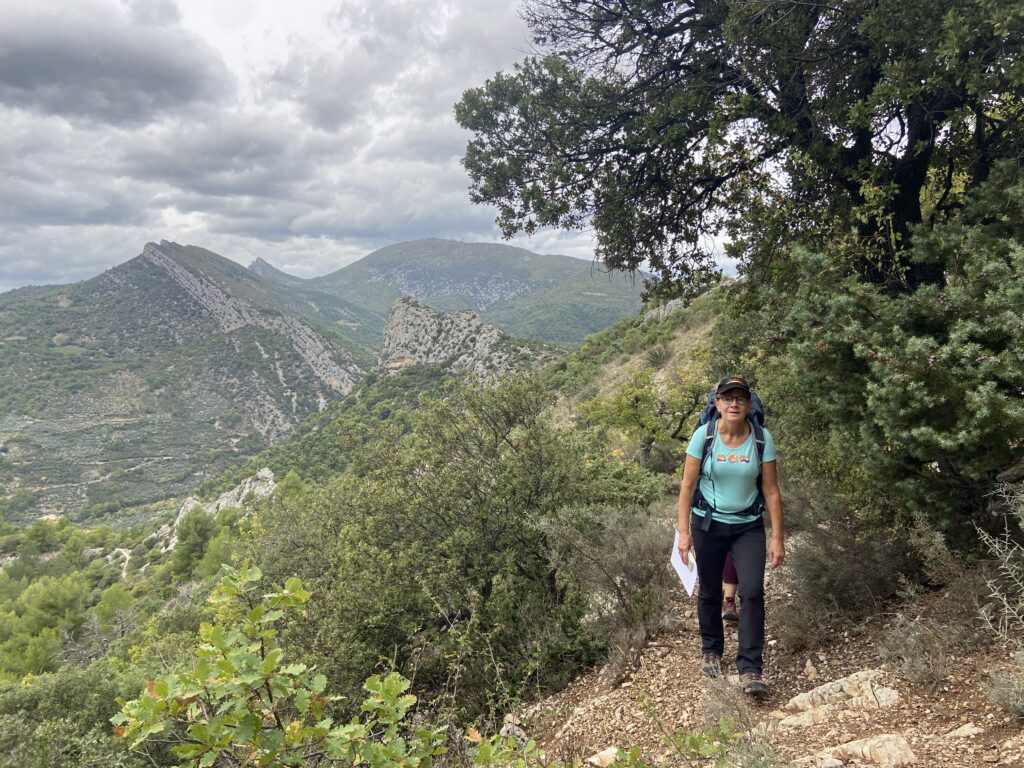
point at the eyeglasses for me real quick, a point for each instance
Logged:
(740, 400)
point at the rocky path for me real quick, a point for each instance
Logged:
(836, 707)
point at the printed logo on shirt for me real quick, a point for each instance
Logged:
(732, 458)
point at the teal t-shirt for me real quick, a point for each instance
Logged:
(728, 479)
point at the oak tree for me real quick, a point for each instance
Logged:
(668, 126)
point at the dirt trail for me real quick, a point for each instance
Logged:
(667, 693)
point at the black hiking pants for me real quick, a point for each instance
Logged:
(746, 542)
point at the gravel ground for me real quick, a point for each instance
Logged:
(665, 693)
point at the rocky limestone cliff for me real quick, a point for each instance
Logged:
(259, 486)
(232, 315)
(418, 335)
(666, 310)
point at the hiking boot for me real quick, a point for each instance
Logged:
(753, 685)
(711, 665)
(730, 612)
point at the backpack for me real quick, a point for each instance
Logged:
(709, 420)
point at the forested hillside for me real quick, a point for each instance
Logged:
(556, 299)
(138, 384)
(132, 386)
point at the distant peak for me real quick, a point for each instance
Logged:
(266, 269)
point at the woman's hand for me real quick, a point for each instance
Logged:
(685, 543)
(691, 471)
(776, 551)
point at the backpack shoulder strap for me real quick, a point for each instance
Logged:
(758, 440)
(710, 429)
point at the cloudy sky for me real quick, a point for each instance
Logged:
(305, 132)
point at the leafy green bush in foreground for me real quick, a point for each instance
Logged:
(242, 704)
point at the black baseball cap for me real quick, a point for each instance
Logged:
(732, 382)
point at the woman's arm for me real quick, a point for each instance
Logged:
(691, 474)
(773, 500)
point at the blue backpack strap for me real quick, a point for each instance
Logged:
(710, 430)
(756, 409)
(758, 440)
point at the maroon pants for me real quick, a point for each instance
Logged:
(729, 571)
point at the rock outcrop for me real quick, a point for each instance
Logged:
(666, 310)
(822, 704)
(888, 750)
(418, 335)
(232, 315)
(259, 486)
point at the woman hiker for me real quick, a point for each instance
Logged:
(726, 518)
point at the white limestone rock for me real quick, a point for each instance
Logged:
(259, 486)
(415, 334)
(859, 691)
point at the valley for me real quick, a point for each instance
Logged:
(144, 382)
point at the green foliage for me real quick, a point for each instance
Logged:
(30, 633)
(12, 507)
(842, 572)
(630, 336)
(497, 751)
(773, 122)
(436, 541)
(77, 601)
(1004, 615)
(194, 532)
(648, 411)
(242, 704)
(61, 719)
(615, 556)
(58, 743)
(637, 408)
(898, 406)
(711, 745)
(219, 551)
(923, 388)
(114, 601)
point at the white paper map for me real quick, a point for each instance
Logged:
(687, 571)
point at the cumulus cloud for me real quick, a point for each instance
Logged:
(411, 58)
(305, 134)
(101, 60)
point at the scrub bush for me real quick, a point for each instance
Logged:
(616, 558)
(838, 570)
(1004, 614)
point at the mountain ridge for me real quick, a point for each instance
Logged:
(133, 385)
(141, 382)
(556, 299)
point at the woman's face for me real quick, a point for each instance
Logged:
(733, 405)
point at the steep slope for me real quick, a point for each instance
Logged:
(322, 307)
(460, 341)
(549, 298)
(423, 350)
(131, 386)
